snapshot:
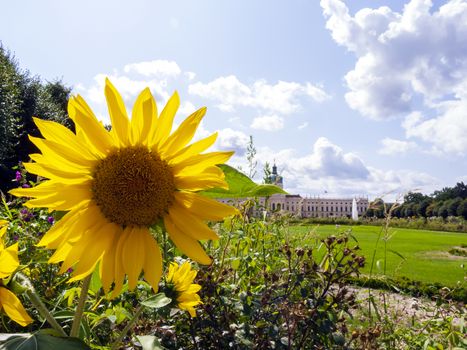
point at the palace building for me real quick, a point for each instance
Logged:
(304, 207)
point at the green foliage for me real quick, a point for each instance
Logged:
(270, 287)
(21, 98)
(40, 341)
(267, 172)
(240, 186)
(262, 292)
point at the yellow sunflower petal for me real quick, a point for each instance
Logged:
(107, 264)
(183, 134)
(57, 174)
(191, 150)
(190, 224)
(203, 207)
(134, 254)
(201, 161)
(71, 226)
(186, 244)
(71, 196)
(119, 267)
(87, 123)
(152, 262)
(200, 182)
(13, 307)
(56, 152)
(118, 114)
(143, 117)
(8, 260)
(95, 249)
(60, 134)
(61, 164)
(165, 121)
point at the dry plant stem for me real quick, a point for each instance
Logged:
(127, 328)
(80, 309)
(39, 305)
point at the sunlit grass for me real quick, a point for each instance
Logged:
(426, 253)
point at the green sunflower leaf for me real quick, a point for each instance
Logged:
(157, 301)
(149, 342)
(39, 341)
(241, 185)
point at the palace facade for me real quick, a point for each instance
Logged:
(304, 207)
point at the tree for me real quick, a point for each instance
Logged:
(453, 205)
(267, 173)
(462, 209)
(415, 197)
(443, 210)
(423, 206)
(21, 98)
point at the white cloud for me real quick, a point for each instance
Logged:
(393, 146)
(268, 123)
(418, 56)
(339, 173)
(302, 126)
(232, 140)
(156, 68)
(281, 97)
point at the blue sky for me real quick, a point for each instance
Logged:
(347, 97)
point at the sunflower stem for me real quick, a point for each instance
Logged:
(80, 308)
(38, 304)
(127, 328)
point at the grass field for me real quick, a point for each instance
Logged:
(425, 253)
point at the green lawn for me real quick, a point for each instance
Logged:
(425, 252)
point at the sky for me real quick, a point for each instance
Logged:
(347, 98)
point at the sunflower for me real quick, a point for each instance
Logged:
(116, 184)
(9, 303)
(180, 286)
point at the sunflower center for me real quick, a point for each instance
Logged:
(133, 186)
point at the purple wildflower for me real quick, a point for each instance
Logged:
(51, 220)
(15, 238)
(25, 186)
(19, 176)
(70, 270)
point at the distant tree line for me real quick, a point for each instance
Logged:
(450, 201)
(23, 96)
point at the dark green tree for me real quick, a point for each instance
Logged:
(423, 206)
(267, 173)
(443, 210)
(453, 205)
(21, 98)
(462, 209)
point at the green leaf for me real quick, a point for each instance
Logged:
(149, 342)
(157, 301)
(39, 341)
(96, 283)
(397, 253)
(241, 185)
(235, 264)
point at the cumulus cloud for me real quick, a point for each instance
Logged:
(268, 123)
(447, 132)
(232, 140)
(159, 68)
(281, 97)
(417, 55)
(329, 168)
(393, 146)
